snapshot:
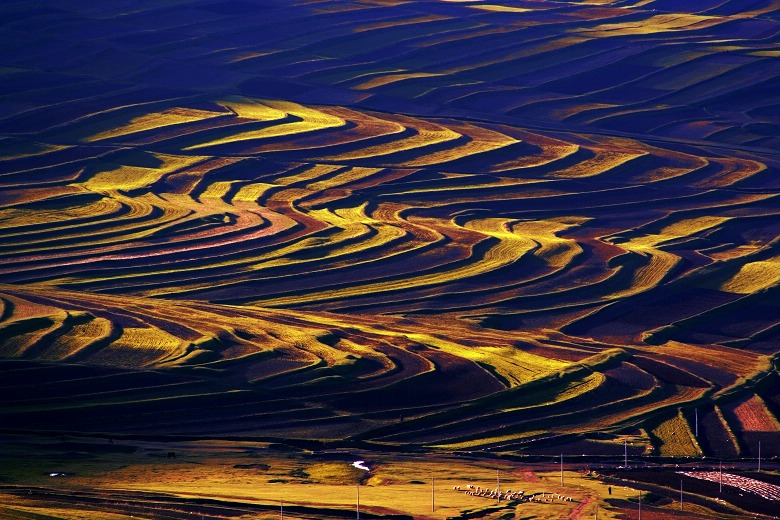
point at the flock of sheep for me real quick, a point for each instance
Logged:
(508, 494)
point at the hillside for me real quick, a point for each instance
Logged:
(531, 227)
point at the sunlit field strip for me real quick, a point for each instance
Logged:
(140, 221)
(425, 134)
(22, 335)
(308, 120)
(144, 221)
(485, 140)
(176, 136)
(660, 23)
(381, 236)
(128, 178)
(549, 153)
(156, 120)
(557, 255)
(733, 172)
(602, 162)
(22, 222)
(348, 176)
(755, 276)
(80, 337)
(362, 129)
(639, 160)
(675, 438)
(126, 210)
(670, 174)
(515, 367)
(480, 142)
(660, 263)
(307, 174)
(247, 227)
(508, 247)
(655, 267)
(392, 78)
(139, 347)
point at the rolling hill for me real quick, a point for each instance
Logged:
(534, 227)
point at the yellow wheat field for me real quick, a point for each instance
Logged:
(676, 438)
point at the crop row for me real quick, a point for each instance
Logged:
(474, 226)
(367, 374)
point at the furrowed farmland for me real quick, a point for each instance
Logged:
(276, 235)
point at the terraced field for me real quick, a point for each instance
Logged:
(527, 227)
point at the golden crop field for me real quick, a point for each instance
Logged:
(513, 229)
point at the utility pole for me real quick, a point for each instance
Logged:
(759, 456)
(281, 509)
(680, 494)
(498, 485)
(357, 507)
(720, 477)
(561, 469)
(640, 505)
(625, 454)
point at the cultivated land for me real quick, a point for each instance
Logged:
(447, 238)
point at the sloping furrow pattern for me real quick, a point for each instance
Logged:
(329, 229)
(481, 219)
(170, 363)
